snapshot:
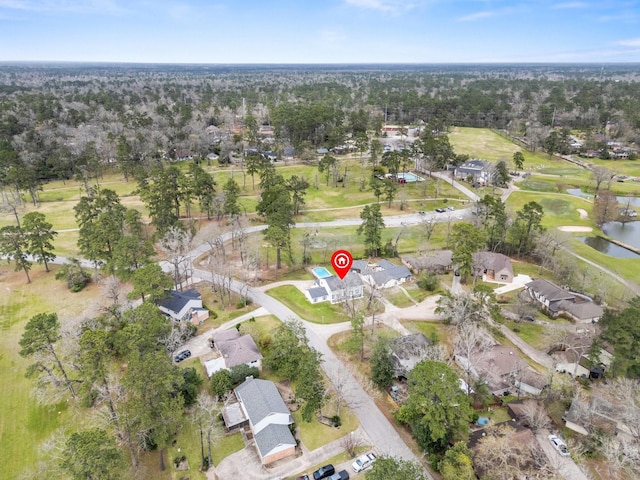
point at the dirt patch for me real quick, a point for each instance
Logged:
(575, 229)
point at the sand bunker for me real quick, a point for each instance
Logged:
(583, 213)
(575, 229)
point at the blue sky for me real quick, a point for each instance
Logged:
(320, 31)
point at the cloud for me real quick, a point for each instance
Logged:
(472, 17)
(569, 5)
(388, 6)
(632, 42)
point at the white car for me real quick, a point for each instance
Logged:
(363, 462)
(559, 445)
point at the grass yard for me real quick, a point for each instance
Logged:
(323, 312)
(24, 424)
(437, 332)
(397, 297)
(535, 334)
(482, 143)
(315, 434)
(260, 327)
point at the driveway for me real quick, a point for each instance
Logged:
(372, 421)
(565, 466)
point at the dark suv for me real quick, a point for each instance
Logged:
(183, 355)
(341, 475)
(324, 472)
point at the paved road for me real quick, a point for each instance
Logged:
(565, 466)
(373, 422)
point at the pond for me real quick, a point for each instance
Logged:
(628, 233)
(631, 201)
(608, 248)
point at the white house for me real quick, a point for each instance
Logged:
(185, 305)
(384, 274)
(478, 170)
(333, 289)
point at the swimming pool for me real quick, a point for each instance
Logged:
(410, 177)
(321, 272)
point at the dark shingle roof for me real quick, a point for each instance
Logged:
(317, 292)
(178, 300)
(260, 399)
(550, 291)
(272, 436)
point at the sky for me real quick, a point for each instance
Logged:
(320, 31)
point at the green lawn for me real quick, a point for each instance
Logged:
(535, 334)
(315, 434)
(24, 424)
(559, 209)
(397, 297)
(323, 312)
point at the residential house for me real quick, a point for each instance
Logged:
(597, 414)
(383, 274)
(476, 171)
(559, 301)
(185, 305)
(322, 151)
(261, 408)
(493, 267)
(184, 154)
(434, 262)
(500, 368)
(288, 153)
(233, 349)
(407, 351)
(334, 290)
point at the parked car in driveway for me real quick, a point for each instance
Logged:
(363, 462)
(324, 472)
(559, 445)
(183, 355)
(341, 475)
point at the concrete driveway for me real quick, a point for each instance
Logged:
(565, 466)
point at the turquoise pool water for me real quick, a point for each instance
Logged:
(321, 272)
(410, 177)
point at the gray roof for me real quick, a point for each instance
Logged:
(434, 261)
(581, 310)
(239, 351)
(317, 292)
(260, 399)
(382, 272)
(407, 351)
(550, 291)
(352, 279)
(178, 300)
(492, 261)
(272, 436)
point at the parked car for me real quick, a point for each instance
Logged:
(440, 210)
(324, 472)
(559, 445)
(303, 477)
(421, 213)
(341, 475)
(451, 208)
(363, 462)
(183, 355)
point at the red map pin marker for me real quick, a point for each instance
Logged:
(341, 260)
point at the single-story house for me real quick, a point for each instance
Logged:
(233, 349)
(494, 267)
(333, 289)
(434, 262)
(384, 274)
(184, 154)
(407, 351)
(322, 151)
(479, 171)
(185, 305)
(559, 301)
(262, 408)
(500, 368)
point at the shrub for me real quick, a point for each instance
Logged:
(76, 277)
(243, 302)
(337, 422)
(429, 282)
(240, 372)
(179, 459)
